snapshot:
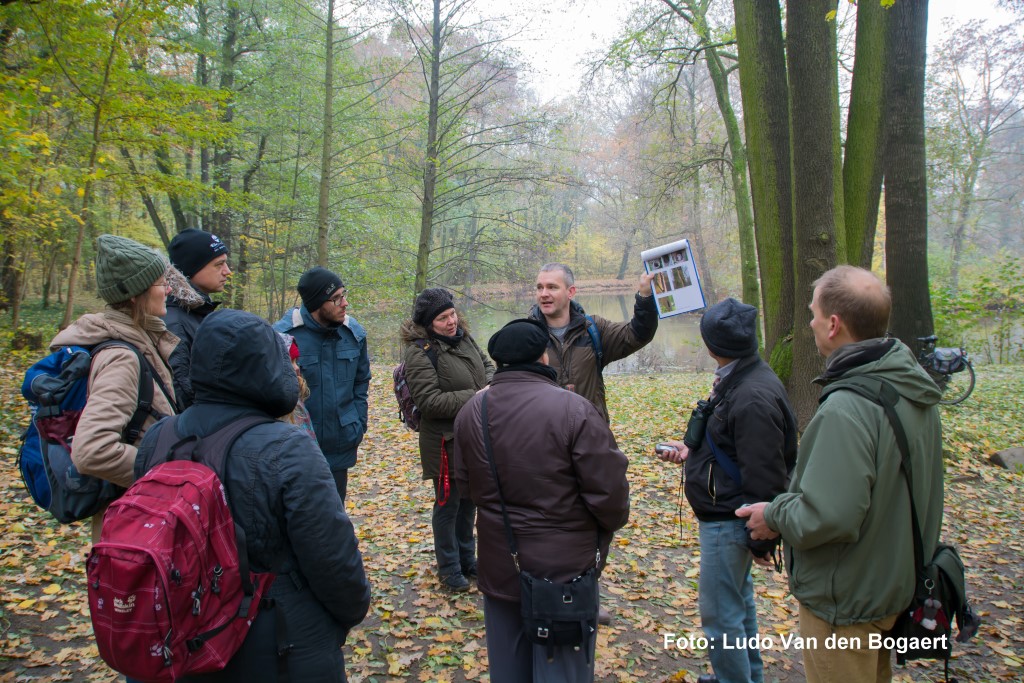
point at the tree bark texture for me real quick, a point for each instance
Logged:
(324, 195)
(906, 192)
(765, 96)
(430, 163)
(865, 133)
(811, 50)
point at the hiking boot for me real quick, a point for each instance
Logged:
(707, 678)
(470, 572)
(455, 583)
(604, 617)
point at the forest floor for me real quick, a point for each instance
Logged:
(414, 632)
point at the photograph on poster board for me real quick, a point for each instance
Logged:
(676, 282)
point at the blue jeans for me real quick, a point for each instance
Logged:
(453, 525)
(727, 601)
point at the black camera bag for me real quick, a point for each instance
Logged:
(554, 614)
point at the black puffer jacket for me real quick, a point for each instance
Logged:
(281, 492)
(183, 318)
(753, 425)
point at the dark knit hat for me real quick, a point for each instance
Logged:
(520, 341)
(431, 303)
(125, 268)
(316, 286)
(192, 249)
(729, 329)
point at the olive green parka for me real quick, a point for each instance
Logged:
(462, 370)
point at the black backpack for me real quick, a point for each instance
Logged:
(407, 410)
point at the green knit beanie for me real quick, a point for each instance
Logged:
(125, 268)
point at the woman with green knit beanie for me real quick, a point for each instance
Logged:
(133, 279)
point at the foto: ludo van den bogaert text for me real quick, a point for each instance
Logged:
(792, 641)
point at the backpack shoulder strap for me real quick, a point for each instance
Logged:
(881, 392)
(146, 378)
(595, 339)
(428, 349)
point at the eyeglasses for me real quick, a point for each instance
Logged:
(338, 300)
(163, 284)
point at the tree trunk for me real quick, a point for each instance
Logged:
(964, 205)
(430, 163)
(865, 131)
(906, 194)
(147, 200)
(223, 156)
(163, 164)
(815, 134)
(765, 97)
(737, 152)
(324, 200)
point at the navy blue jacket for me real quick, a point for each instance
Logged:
(336, 367)
(282, 494)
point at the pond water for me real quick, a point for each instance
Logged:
(677, 345)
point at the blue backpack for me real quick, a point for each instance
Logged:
(56, 388)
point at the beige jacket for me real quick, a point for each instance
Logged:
(97, 449)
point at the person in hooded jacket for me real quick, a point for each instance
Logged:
(563, 480)
(440, 387)
(335, 365)
(133, 280)
(281, 492)
(845, 520)
(202, 258)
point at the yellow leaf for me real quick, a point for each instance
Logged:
(25, 604)
(52, 589)
(17, 528)
(81, 192)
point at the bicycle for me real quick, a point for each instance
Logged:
(949, 367)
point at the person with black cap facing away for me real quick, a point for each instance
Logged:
(444, 368)
(739, 448)
(563, 480)
(203, 259)
(335, 365)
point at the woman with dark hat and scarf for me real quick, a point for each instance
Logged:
(444, 368)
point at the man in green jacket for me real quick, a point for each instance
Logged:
(845, 520)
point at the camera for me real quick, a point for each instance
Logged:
(697, 424)
(663, 448)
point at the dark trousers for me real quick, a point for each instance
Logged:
(453, 523)
(513, 659)
(341, 481)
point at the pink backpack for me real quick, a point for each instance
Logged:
(170, 591)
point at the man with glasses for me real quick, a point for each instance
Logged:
(335, 365)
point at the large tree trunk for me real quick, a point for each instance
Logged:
(816, 177)
(906, 195)
(324, 201)
(430, 163)
(765, 91)
(865, 133)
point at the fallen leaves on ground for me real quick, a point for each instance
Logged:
(416, 632)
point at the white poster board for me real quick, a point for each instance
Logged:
(676, 283)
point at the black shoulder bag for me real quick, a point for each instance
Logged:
(554, 614)
(925, 627)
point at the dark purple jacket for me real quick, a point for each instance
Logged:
(562, 475)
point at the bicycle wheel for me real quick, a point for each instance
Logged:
(959, 386)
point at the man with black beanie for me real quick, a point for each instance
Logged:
(203, 258)
(745, 454)
(335, 365)
(563, 480)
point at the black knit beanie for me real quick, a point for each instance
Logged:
(316, 286)
(431, 303)
(520, 341)
(729, 329)
(192, 249)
